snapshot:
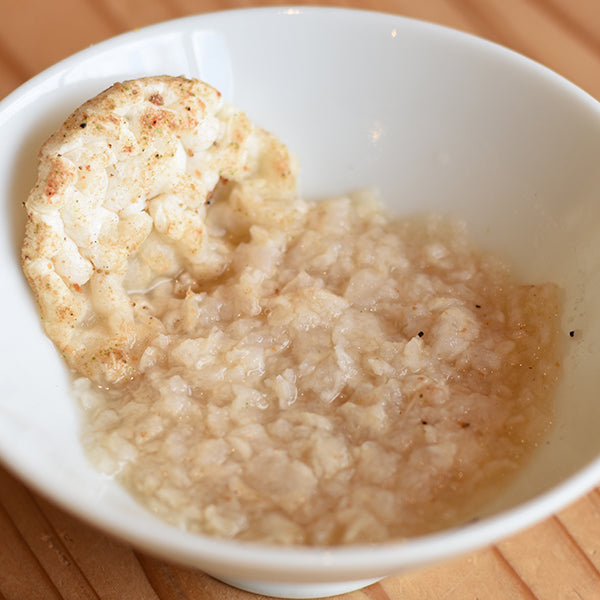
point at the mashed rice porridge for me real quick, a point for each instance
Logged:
(259, 367)
(353, 380)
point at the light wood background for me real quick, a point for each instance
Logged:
(46, 554)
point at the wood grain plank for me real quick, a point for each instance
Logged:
(57, 30)
(132, 14)
(21, 574)
(582, 520)
(111, 567)
(13, 71)
(545, 550)
(581, 18)
(10, 78)
(43, 540)
(483, 574)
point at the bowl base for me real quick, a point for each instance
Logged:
(300, 590)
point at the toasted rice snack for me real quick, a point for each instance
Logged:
(120, 204)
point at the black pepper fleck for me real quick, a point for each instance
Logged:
(572, 333)
(420, 334)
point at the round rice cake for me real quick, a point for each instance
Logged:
(120, 204)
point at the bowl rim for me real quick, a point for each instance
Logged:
(356, 560)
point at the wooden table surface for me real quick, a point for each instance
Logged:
(47, 554)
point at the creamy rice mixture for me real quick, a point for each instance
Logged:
(253, 366)
(351, 378)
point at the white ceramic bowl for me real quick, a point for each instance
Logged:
(434, 119)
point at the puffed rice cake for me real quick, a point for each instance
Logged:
(120, 203)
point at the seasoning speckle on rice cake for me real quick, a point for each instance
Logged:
(255, 367)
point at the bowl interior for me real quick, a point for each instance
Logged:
(432, 119)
